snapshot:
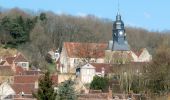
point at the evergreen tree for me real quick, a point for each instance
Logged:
(43, 16)
(45, 90)
(99, 83)
(66, 91)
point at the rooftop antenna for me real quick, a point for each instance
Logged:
(118, 8)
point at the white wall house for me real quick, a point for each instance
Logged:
(24, 65)
(143, 56)
(87, 72)
(6, 91)
(74, 54)
(21, 61)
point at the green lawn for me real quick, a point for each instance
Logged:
(52, 67)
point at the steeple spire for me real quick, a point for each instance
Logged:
(118, 8)
(119, 36)
(118, 16)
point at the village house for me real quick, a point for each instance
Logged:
(74, 55)
(6, 92)
(15, 61)
(88, 71)
(23, 84)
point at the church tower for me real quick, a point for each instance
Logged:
(118, 51)
(119, 40)
(119, 36)
(118, 48)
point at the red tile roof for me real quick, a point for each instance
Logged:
(10, 59)
(93, 50)
(99, 66)
(32, 72)
(20, 58)
(138, 53)
(26, 88)
(93, 96)
(25, 78)
(19, 70)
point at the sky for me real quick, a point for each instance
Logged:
(153, 15)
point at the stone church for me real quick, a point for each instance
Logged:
(116, 51)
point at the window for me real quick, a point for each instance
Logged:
(56, 55)
(24, 65)
(75, 61)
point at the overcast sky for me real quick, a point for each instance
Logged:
(148, 14)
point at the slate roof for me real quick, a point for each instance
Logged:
(93, 50)
(120, 46)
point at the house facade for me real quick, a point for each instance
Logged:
(74, 55)
(15, 61)
(6, 92)
(87, 73)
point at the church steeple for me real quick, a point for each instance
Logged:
(119, 41)
(119, 35)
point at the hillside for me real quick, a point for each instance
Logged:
(35, 35)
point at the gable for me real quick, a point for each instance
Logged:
(145, 55)
(6, 90)
(20, 58)
(88, 66)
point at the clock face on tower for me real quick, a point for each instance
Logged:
(120, 33)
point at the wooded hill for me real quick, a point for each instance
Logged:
(35, 34)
